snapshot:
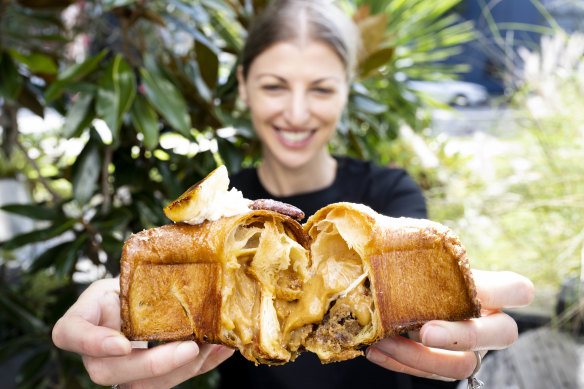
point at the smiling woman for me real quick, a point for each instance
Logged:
(294, 76)
(295, 104)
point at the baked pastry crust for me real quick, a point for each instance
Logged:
(271, 288)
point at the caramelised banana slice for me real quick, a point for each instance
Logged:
(208, 199)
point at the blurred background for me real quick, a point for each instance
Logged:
(110, 109)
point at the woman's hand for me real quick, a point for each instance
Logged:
(445, 350)
(91, 328)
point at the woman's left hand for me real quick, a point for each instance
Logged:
(445, 350)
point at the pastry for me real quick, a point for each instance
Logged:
(263, 284)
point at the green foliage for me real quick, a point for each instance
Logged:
(150, 107)
(516, 195)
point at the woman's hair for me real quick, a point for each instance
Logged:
(311, 20)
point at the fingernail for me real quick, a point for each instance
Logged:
(374, 355)
(185, 352)
(114, 345)
(436, 336)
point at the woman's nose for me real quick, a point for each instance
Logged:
(298, 110)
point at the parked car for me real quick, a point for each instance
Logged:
(459, 93)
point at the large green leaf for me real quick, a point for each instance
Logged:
(145, 120)
(79, 116)
(116, 92)
(35, 62)
(33, 211)
(375, 60)
(166, 98)
(40, 235)
(72, 74)
(64, 265)
(31, 98)
(47, 258)
(86, 172)
(10, 79)
(116, 219)
(208, 64)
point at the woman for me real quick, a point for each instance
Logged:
(294, 77)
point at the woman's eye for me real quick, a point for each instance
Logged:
(272, 87)
(324, 91)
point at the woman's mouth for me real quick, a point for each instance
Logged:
(294, 138)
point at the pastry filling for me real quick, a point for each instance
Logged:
(275, 293)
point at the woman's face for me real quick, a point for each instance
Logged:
(296, 93)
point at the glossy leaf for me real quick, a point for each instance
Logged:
(79, 116)
(40, 235)
(33, 211)
(194, 32)
(47, 258)
(72, 74)
(86, 172)
(116, 92)
(145, 119)
(167, 99)
(35, 62)
(208, 64)
(375, 60)
(68, 254)
(79, 70)
(31, 99)
(373, 31)
(117, 218)
(10, 79)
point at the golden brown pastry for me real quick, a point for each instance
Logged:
(263, 284)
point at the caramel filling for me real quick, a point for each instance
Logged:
(280, 299)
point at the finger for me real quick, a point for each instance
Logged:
(498, 290)
(141, 363)
(387, 362)
(210, 355)
(492, 332)
(218, 355)
(74, 333)
(423, 361)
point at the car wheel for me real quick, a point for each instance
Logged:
(461, 101)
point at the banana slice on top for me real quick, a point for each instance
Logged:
(208, 199)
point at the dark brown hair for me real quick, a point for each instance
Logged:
(317, 20)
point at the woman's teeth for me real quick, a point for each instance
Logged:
(295, 136)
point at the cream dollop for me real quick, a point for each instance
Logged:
(214, 200)
(223, 204)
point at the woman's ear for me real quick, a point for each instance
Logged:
(241, 85)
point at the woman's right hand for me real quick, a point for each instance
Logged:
(91, 328)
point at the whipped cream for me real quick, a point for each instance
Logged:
(223, 204)
(213, 199)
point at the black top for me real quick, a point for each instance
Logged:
(388, 191)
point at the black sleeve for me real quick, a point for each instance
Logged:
(394, 193)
